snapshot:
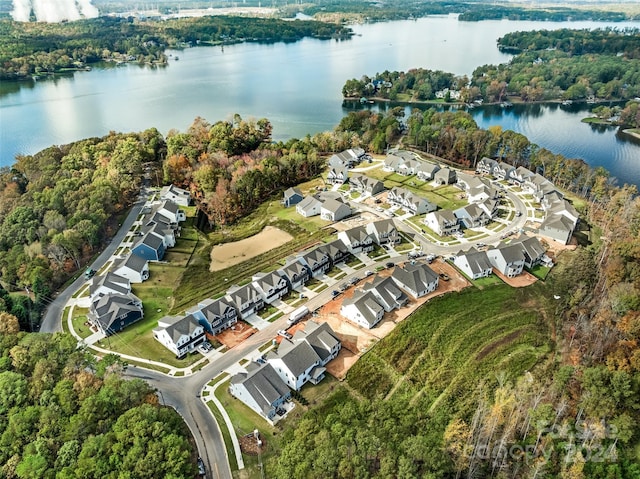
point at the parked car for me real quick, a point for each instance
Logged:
(390, 264)
(444, 276)
(335, 292)
(90, 273)
(284, 334)
(367, 273)
(518, 214)
(201, 469)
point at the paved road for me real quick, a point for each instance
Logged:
(52, 319)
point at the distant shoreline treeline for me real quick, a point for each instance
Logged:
(28, 49)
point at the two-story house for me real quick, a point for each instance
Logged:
(246, 299)
(317, 261)
(179, 334)
(417, 279)
(362, 309)
(507, 259)
(271, 286)
(384, 232)
(357, 240)
(219, 314)
(296, 273)
(442, 222)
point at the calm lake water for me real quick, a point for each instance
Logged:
(297, 86)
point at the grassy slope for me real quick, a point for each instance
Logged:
(455, 343)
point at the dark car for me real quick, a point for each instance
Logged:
(201, 469)
(444, 276)
(335, 292)
(390, 264)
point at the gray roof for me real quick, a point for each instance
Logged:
(319, 335)
(179, 326)
(358, 234)
(267, 281)
(111, 281)
(383, 227)
(387, 289)
(108, 308)
(427, 167)
(289, 192)
(293, 268)
(170, 206)
(477, 261)
(264, 385)
(334, 248)
(511, 253)
(216, 309)
(308, 202)
(532, 248)
(367, 304)
(417, 277)
(136, 263)
(559, 222)
(334, 205)
(243, 294)
(445, 216)
(471, 210)
(151, 240)
(315, 256)
(297, 357)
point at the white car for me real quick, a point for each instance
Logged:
(284, 334)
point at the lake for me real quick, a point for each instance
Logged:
(297, 86)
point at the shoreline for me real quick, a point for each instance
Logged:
(512, 101)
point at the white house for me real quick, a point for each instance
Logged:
(262, 390)
(220, 314)
(179, 334)
(175, 194)
(474, 264)
(170, 210)
(472, 216)
(363, 309)
(271, 286)
(426, 171)
(309, 206)
(508, 260)
(334, 210)
(387, 293)
(442, 222)
(384, 231)
(417, 279)
(357, 239)
(133, 267)
(302, 359)
(533, 250)
(337, 175)
(246, 299)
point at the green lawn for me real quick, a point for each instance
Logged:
(79, 317)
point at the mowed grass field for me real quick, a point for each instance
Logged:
(455, 343)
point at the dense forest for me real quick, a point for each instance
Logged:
(66, 414)
(469, 11)
(564, 64)
(40, 48)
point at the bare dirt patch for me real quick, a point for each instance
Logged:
(520, 281)
(356, 340)
(230, 254)
(249, 444)
(233, 337)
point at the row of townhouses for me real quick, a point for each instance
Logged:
(369, 303)
(112, 305)
(560, 219)
(182, 335)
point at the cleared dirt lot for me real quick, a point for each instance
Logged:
(233, 337)
(357, 340)
(230, 254)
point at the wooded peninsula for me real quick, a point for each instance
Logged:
(571, 65)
